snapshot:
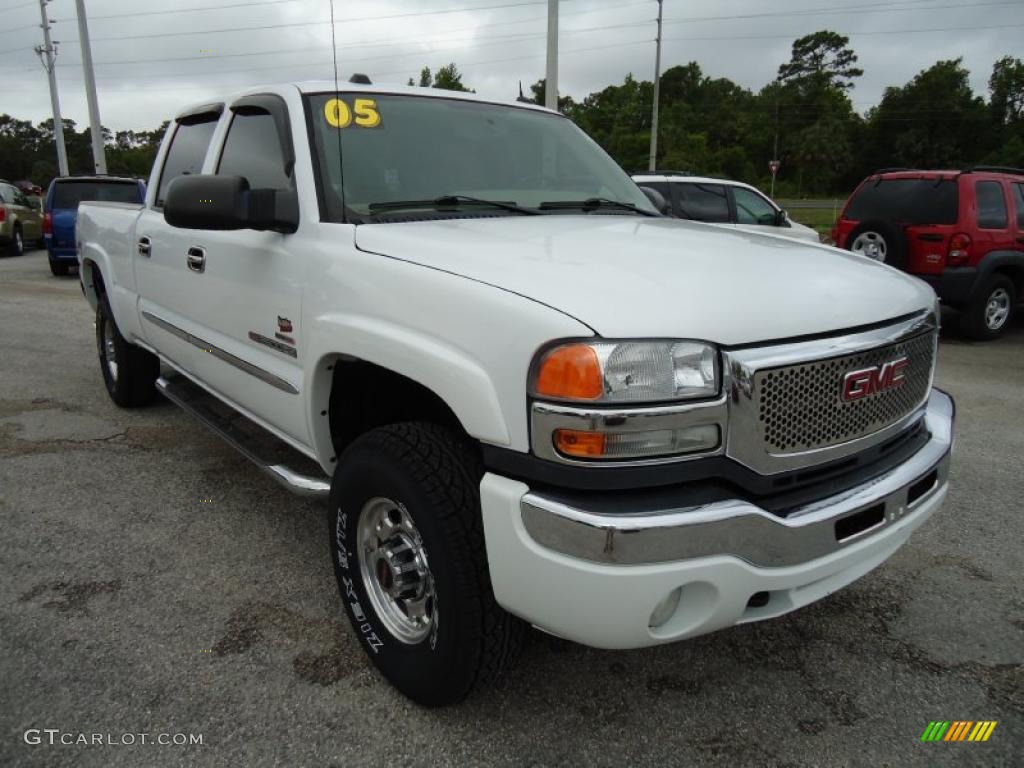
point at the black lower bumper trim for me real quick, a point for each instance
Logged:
(711, 479)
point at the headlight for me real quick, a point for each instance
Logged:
(627, 372)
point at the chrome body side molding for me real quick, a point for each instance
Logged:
(265, 376)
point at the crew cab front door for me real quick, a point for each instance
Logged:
(248, 284)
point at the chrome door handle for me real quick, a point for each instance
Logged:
(196, 259)
(145, 246)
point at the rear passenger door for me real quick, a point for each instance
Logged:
(702, 202)
(167, 287)
(995, 231)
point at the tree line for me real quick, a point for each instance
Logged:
(804, 117)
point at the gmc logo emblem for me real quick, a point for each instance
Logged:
(869, 381)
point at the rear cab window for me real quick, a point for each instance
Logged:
(68, 194)
(702, 202)
(188, 148)
(906, 200)
(991, 205)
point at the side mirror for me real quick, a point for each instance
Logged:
(205, 201)
(656, 198)
(781, 218)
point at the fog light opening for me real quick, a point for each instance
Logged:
(759, 600)
(664, 610)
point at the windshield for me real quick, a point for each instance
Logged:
(414, 148)
(909, 201)
(69, 194)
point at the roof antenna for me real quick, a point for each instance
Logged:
(337, 97)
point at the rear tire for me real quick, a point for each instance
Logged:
(409, 554)
(17, 246)
(59, 268)
(880, 240)
(991, 311)
(129, 372)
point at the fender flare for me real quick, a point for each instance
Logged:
(447, 371)
(994, 261)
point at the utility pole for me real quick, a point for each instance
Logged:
(652, 161)
(95, 128)
(773, 166)
(47, 54)
(551, 81)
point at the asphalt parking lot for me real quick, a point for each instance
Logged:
(154, 582)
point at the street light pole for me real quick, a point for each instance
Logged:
(551, 80)
(652, 160)
(47, 54)
(95, 127)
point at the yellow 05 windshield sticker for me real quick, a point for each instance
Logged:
(362, 113)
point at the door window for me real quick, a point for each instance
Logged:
(991, 205)
(186, 154)
(1018, 195)
(751, 208)
(253, 150)
(702, 202)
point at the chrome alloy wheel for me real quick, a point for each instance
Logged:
(997, 309)
(394, 570)
(870, 244)
(109, 350)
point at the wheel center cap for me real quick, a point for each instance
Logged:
(385, 576)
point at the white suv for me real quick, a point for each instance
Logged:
(724, 202)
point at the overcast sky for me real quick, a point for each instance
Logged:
(149, 63)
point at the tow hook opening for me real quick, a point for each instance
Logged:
(859, 522)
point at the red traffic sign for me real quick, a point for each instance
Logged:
(773, 166)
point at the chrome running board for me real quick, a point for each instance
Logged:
(266, 451)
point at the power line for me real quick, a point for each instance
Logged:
(306, 49)
(321, 23)
(881, 7)
(176, 11)
(850, 34)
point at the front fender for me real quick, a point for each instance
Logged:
(450, 373)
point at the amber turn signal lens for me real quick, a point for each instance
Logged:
(584, 445)
(572, 372)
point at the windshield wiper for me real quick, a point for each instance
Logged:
(450, 201)
(592, 204)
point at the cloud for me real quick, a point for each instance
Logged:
(149, 64)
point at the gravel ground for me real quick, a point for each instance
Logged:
(154, 582)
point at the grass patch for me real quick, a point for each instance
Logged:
(820, 219)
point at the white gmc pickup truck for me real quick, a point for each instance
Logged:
(528, 396)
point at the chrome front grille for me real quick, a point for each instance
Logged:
(800, 407)
(786, 409)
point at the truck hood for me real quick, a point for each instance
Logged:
(627, 276)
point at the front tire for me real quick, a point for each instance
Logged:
(408, 549)
(129, 372)
(991, 311)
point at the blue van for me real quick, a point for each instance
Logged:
(60, 211)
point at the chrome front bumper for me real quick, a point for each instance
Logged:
(744, 530)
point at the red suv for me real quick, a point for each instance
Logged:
(961, 231)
